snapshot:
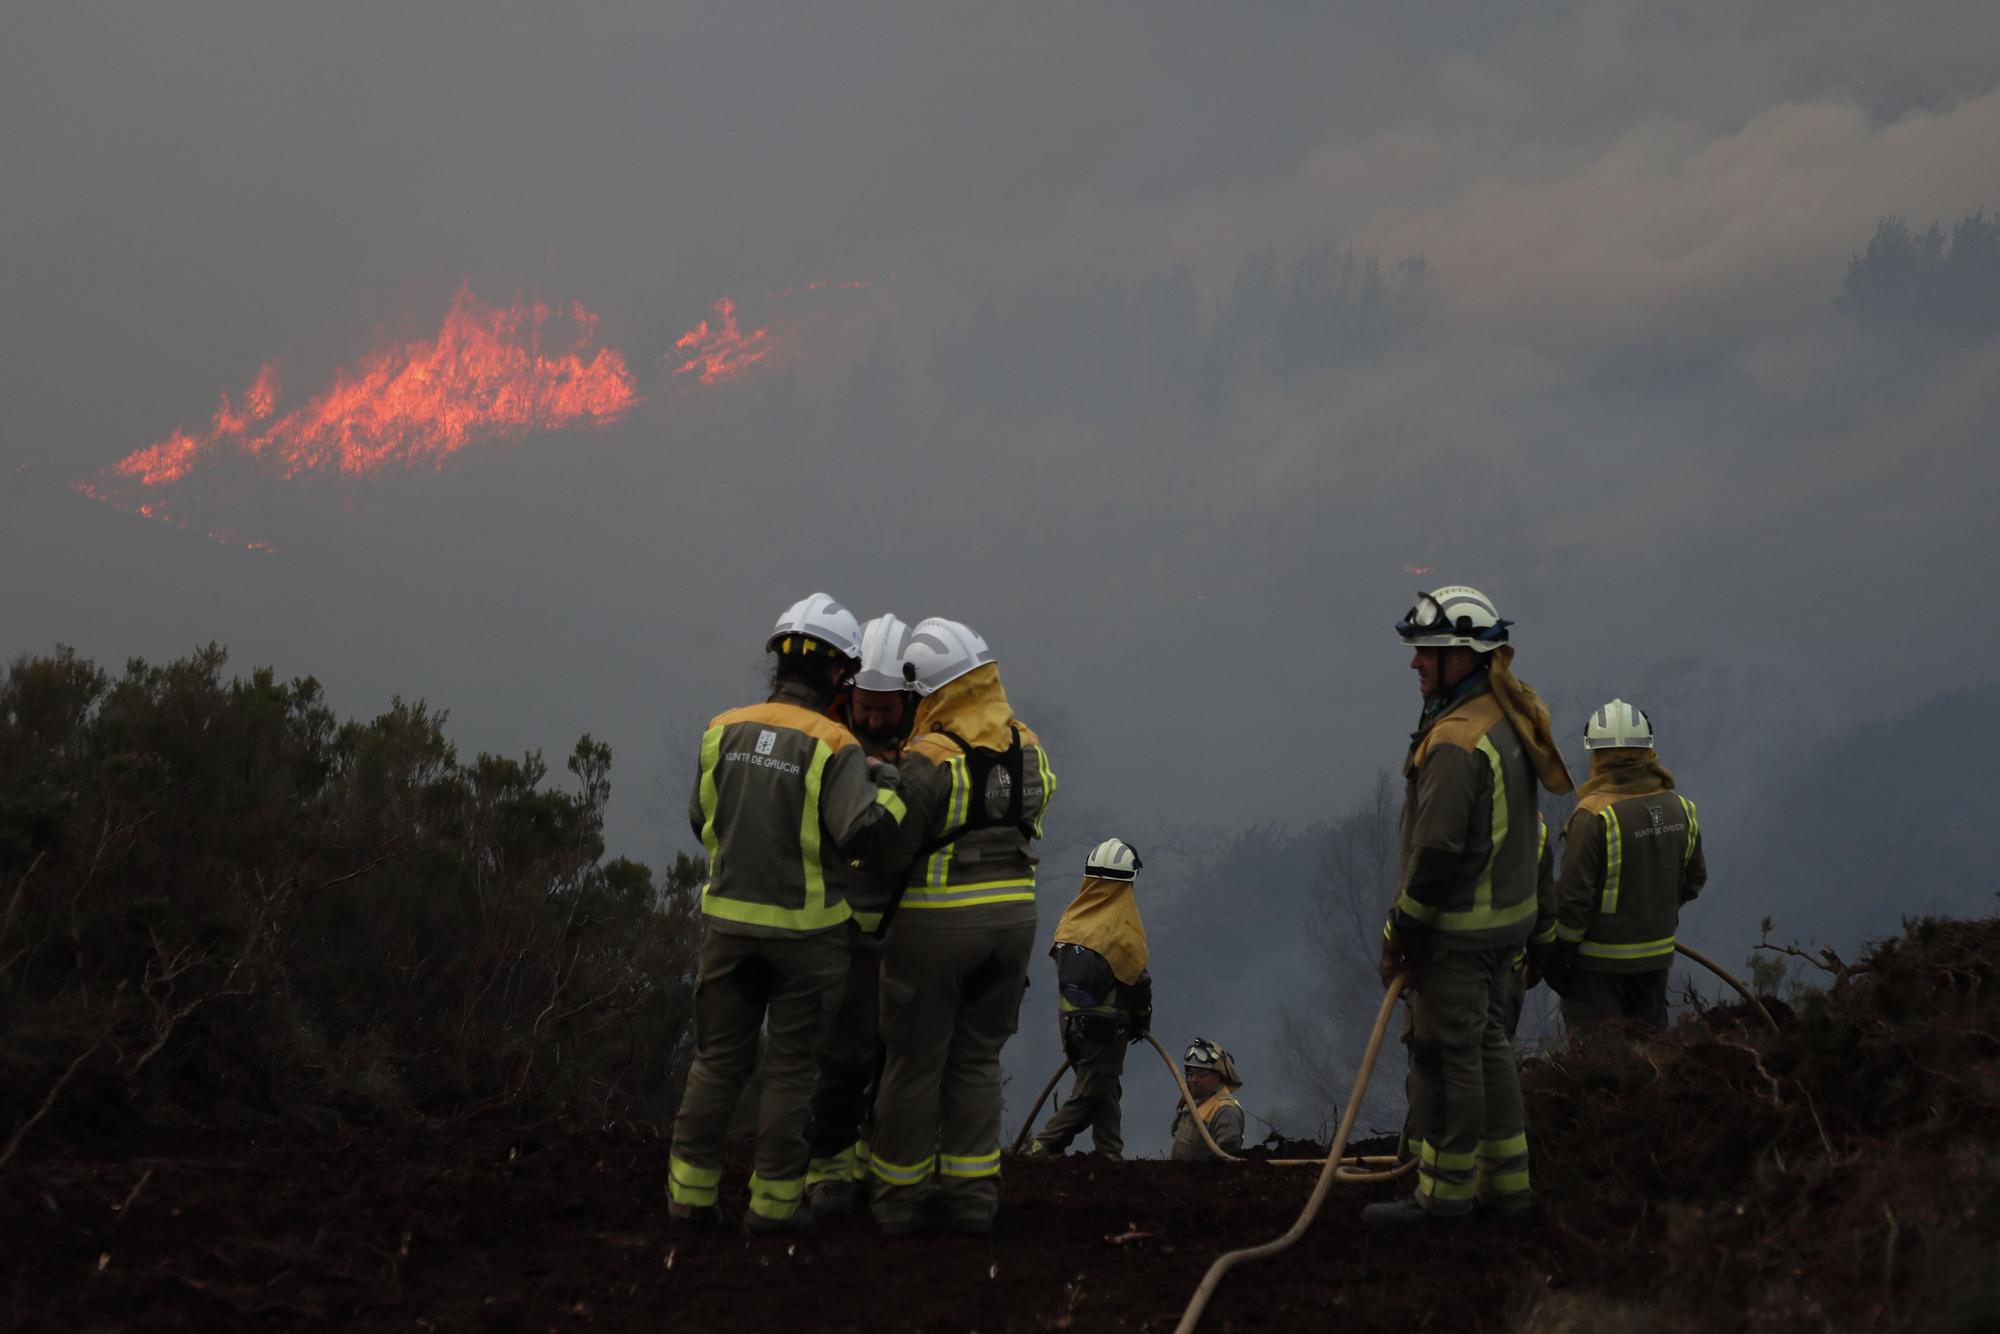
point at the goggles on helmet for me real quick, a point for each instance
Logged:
(1427, 617)
(1203, 1055)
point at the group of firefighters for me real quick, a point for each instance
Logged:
(870, 913)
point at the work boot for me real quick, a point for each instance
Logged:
(1111, 1155)
(1404, 1212)
(1042, 1149)
(690, 1218)
(831, 1199)
(1520, 1214)
(932, 1214)
(973, 1225)
(757, 1225)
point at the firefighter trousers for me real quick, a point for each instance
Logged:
(790, 986)
(1593, 1000)
(848, 1069)
(951, 997)
(1467, 1125)
(1094, 1098)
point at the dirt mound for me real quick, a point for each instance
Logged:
(1841, 1174)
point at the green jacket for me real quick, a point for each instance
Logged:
(1470, 833)
(1629, 863)
(783, 795)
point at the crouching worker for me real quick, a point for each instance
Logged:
(1106, 999)
(1212, 1078)
(782, 793)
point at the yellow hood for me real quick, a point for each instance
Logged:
(1104, 917)
(1530, 717)
(974, 707)
(1621, 772)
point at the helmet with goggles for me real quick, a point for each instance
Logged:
(1205, 1055)
(1457, 616)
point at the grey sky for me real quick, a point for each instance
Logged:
(1623, 401)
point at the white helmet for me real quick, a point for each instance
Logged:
(1454, 617)
(1616, 726)
(1205, 1055)
(1113, 859)
(941, 651)
(883, 642)
(819, 622)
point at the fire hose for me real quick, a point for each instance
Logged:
(1718, 970)
(1328, 1173)
(1354, 1170)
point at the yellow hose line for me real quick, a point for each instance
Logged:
(1225, 1262)
(1720, 972)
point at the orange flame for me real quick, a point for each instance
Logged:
(725, 353)
(485, 376)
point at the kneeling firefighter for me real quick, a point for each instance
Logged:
(1106, 999)
(878, 710)
(955, 960)
(1212, 1078)
(782, 795)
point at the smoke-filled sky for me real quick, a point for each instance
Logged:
(1173, 346)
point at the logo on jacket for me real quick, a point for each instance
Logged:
(767, 739)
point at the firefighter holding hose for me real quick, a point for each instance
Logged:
(1105, 999)
(1467, 904)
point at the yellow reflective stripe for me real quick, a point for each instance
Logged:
(861, 1160)
(1483, 915)
(777, 1200)
(971, 896)
(868, 921)
(711, 755)
(1542, 843)
(809, 831)
(840, 1167)
(1507, 1183)
(691, 1185)
(1482, 894)
(1568, 934)
(897, 1174)
(816, 913)
(1492, 917)
(1504, 1148)
(889, 801)
(1644, 949)
(1694, 829)
(979, 1165)
(1614, 861)
(1453, 1162)
(954, 816)
(1422, 912)
(1545, 935)
(1048, 788)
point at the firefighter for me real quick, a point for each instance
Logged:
(1212, 1079)
(781, 795)
(1632, 857)
(1467, 903)
(1105, 999)
(878, 709)
(955, 957)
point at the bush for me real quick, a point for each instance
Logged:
(223, 901)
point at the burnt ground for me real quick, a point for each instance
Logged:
(1841, 1174)
(478, 1229)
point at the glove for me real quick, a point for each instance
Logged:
(1399, 953)
(1556, 966)
(1141, 1024)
